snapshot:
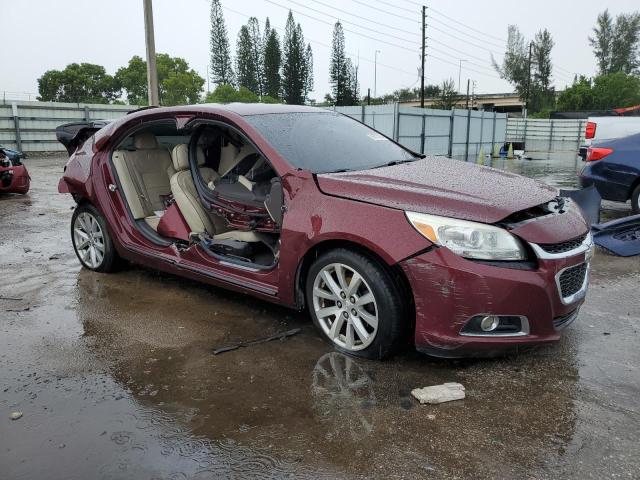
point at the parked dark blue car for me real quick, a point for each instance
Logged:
(613, 166)
(13, 154)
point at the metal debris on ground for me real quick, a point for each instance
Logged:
(276, 336)
(435, 394)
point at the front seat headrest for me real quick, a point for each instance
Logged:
(145, 141)
(180, 157)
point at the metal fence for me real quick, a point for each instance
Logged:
(547, 135)
(455, 133)
(30, 126)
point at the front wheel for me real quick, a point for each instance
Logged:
(356, 304)
(91, 240)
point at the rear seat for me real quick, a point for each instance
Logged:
(145, 176)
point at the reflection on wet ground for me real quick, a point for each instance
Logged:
(116, 379)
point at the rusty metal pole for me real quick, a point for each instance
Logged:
(152, 72)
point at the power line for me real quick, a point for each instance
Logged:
(493, 52)
(484, 40)
(490, 68)
(391, 43)
(345, 29)
(386, 12)
(395, 69)
(367, 36)
(404, 39)
(397, 7)
(437, 12)
(388, 43)
(467, 68)
(502, 40)
(403, 30)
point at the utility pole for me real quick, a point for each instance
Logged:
(375, 73)
(424, 38)
(526, 98)
(460, 74)
(152, 72)
(473, 94)
(468, 83)
(368, 96)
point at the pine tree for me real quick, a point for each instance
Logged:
(542, 94)
(221, 68)
(246, 72)
(308, 56)
(272, 59)
(615, 44)
(338, 67)
(256, 53)
(601, 41)
(294, 65)
(352, 96)
(542, 46)
(625, 44)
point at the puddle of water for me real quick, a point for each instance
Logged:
(116, 379)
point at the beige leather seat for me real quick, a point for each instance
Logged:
(188, 201)
(144, 175)
(185, 193)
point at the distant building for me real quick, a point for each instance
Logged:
(491, 102)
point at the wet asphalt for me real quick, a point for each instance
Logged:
(115, 378)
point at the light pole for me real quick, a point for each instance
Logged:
(375, 74)
(460, 74)
(152, 73)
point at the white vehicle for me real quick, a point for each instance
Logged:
(608, 128)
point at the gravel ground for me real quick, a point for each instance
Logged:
(115, 378)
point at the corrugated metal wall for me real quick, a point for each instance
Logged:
(30, 126)
(455, 133)
(547, 135)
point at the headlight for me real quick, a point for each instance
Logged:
(468, 239)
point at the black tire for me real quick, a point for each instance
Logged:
(392, 320)
(635, 200)
(110, 261)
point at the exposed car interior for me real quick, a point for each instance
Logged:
(211, 181)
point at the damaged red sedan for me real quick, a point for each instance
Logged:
(14, 177)
(312, 209)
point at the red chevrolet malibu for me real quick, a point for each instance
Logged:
(312, 209)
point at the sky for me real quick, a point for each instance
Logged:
(38, 35)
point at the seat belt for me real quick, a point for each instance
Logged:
(135, 178)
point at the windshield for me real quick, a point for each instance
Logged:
(324, 142)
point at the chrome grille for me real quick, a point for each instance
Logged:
(572, 279)
(562, 247)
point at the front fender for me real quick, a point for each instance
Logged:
(63, 187)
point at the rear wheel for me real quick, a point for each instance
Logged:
(355, 304)
(635, 200)
(91, 240)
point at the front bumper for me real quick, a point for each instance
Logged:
(449, 290)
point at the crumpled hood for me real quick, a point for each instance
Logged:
(441, 186)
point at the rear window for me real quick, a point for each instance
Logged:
(324, 142)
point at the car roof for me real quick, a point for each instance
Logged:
(241, 109)
(262, 108)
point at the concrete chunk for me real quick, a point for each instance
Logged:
(434, 394)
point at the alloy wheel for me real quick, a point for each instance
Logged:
(345, 307)
(88, 240)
